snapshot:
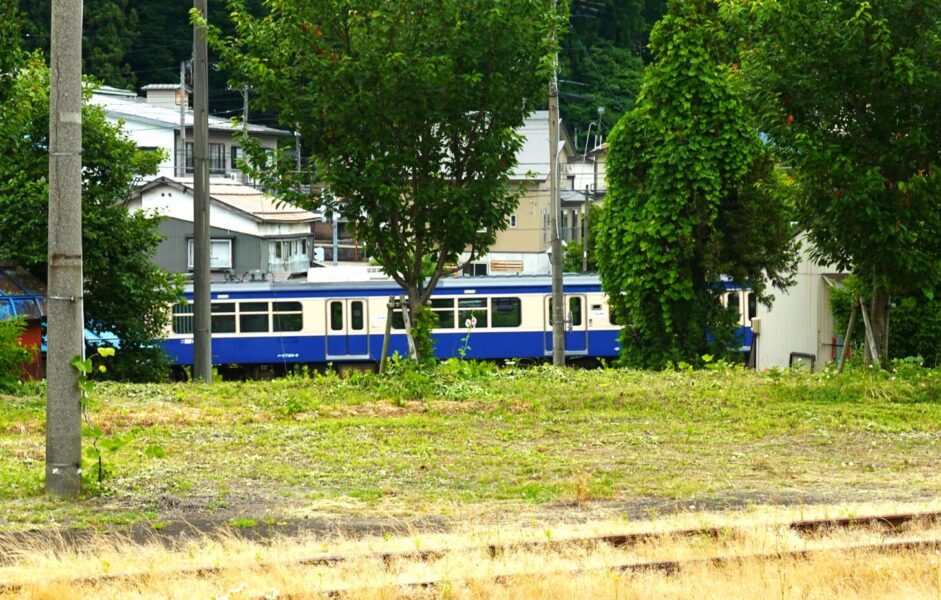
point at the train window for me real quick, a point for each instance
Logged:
(443, 309)
(253, 317)
(472, 312)
(752, 307)
(287, 316)
(336, 315)
(253, 307)
(183, 318)
(733, 304)
(398, 322)
(356, 315)
(575, 311)
(506, 312)
(613, 318)
(223, 317)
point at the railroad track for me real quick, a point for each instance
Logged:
(888, 523)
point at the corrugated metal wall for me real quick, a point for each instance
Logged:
(248, 252)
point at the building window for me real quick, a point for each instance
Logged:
(217, 159)
(476, 269)
(236, 153)
(220, 254)
(513, 222)
(289, 255)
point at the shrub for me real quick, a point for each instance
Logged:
(12, 354)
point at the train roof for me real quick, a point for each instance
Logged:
(457, 284)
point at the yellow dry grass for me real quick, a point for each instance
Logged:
(237, 569)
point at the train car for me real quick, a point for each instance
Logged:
(744, 303)
(276, 326)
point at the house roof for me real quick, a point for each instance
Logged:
(126, 106)
(255, 204)
(160, 86)
(15, 281)
(532, 161)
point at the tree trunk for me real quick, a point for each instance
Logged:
(414, 302)
(878, 319)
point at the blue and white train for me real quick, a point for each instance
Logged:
(276, 326)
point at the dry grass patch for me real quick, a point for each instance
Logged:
(234, 568)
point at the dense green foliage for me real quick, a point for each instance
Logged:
(126, 294)
(110, 28)
(693, 196)
(12, 354)
(914, 326)
(850, 94)
(601, 63)
(411, 120)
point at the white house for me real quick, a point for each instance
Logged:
(252, 235)
(153, 122)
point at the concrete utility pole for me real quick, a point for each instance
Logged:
(587, 226)
(202, 335)
(558, 299)
(181, 152)
(65, 312)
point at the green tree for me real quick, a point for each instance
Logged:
(572, 260)
(126, 293)
(410, 110)
(693, 196)
(850, 94)
(602, 61)
(915, 326)
(12, 355)
(110, 29)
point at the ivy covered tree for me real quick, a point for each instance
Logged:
(693, 197)
(850, 94)
(410, 110)
(126, 294)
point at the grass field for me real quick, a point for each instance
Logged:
(472, 442)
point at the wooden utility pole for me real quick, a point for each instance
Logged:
(558, 299)
(65, 313)
(202, 335)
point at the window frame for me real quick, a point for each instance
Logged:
(190, 253)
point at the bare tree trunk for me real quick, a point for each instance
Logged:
(414, 302)
(878, 320)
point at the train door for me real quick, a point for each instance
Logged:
(576, 324)
(347, 336)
